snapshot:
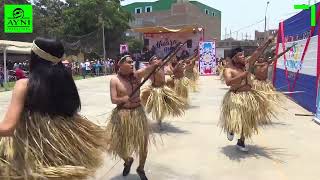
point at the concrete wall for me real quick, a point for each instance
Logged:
(260, 36)
(161, 5)
(181, 14)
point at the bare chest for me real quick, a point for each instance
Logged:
(127, 86)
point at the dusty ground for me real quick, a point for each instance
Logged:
(194, 148)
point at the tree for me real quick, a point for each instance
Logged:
(85, 16)
(48, 18)
(135, 45)
(75, 19)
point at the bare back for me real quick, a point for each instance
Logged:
(179, 71)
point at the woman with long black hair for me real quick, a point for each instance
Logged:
(42, 133)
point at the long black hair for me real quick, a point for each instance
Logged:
(51, 88)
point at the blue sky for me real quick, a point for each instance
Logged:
(244, 14)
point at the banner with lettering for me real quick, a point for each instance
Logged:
(298, 70)
(317, 115)
(162, 43)
(207, 62)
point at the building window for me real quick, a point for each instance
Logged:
(148, 9)
(206, 11)
(213, 14)
(138, 21)
(138, 10)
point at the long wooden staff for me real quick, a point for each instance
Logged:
(166, 60)
(281, 54)
(183, 61)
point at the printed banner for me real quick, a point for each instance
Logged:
(207, 62)
(124, 48)
(317, 116)
(162, 44)
(297, 70)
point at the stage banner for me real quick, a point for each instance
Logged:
(207, 62)
(317, 116)
(298, 70)
(163, 43)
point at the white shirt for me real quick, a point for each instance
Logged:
(87, 66)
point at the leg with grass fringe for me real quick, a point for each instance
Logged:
(53, 148)
(162, 102)
(128, 133)
(243, 113)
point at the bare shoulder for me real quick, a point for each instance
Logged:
(229, 69)
(115, 79)
(21, 85)
(20, 89)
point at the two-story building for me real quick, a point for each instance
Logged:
(165, 22)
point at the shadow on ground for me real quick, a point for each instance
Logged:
(168, 128)
(129, 177)
(275, 154)
(160, 172)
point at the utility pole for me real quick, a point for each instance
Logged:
(225, 33)
(103, 42)
(265, 21)
(5, 64)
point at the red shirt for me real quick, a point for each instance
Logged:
(20, 74)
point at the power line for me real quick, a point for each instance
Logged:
(260, 21)
(245, 27)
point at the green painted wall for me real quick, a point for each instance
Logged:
(161, 5)
(203, 7)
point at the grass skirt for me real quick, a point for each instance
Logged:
(193, 77)
(269, 89)
(57, 148)
(128, 130)
(245, 111)
(221, 73)
(162, 102)
(197, 74)
(180, 86)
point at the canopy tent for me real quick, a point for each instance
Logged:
(14, 47)
(160, 39)
(169, 29)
